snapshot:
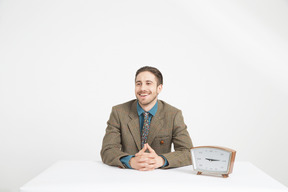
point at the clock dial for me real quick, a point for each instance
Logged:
(212, 160)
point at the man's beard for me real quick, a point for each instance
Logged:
(145, 103)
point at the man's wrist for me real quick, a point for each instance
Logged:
(161, 161)
(126, 161)
(131, 162)
(165, 161)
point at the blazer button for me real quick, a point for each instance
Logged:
(161, 142)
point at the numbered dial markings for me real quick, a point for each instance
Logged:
(212, 160)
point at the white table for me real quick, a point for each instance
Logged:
(90, 176)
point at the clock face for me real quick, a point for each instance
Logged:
(209, 159)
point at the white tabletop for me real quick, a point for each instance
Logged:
(88, 176)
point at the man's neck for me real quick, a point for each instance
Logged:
(149, 106)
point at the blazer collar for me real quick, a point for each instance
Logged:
(134, 114)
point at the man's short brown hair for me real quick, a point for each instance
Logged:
(154, 71)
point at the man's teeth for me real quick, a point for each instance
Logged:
(143, 94)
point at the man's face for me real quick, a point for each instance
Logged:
(146, 89)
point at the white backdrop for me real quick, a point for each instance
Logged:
(64, 64)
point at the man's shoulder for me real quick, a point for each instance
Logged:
(168, 107)
(125, 106)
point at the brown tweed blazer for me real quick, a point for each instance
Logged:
(123, 138)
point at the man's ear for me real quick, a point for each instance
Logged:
(159, 88)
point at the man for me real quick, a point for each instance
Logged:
(140, 132)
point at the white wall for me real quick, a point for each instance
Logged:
(64, 64)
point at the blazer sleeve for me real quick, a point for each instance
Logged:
(182, 144)
(111, 146)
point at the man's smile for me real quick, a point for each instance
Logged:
(143, 95)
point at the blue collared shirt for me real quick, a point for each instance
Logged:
(125, 160)
(140, 112)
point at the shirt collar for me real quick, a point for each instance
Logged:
(152, 111)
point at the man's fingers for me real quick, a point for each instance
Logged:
(150, 148)
(145, 147)
(148, 155)
(144, 165)
(151, 161)
(145, 162)
(143, 155)
(140, 153)
(142, 150)
(147, 168)
(143, 159)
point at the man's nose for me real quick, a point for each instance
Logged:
(143, 87)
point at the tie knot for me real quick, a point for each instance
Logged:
(146, 114)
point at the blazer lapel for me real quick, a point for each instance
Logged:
(134, 125)
(156, 124)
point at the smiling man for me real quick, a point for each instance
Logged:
(140, 133)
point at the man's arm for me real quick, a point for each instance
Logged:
(111, 145)
(182, 144)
